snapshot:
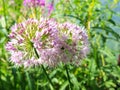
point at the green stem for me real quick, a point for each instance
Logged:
(4, 11)
(1, 84)
(44, 70)
(35, 10)
(47, 75)
(32, 12)
(68, 76)
(29, 81)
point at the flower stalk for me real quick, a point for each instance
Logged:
(90, 12)
(44, 70)
(68, 77)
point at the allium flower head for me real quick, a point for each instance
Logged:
(34, 42)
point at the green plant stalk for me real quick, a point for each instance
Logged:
(32, 12)
(103, 61)
(35, 11)
(15, 77)
(47, 75)
(68, 76)
(37, 86)
(29, 81)
(90, 12)
(4, 12)
(0, 77)
(44, 70)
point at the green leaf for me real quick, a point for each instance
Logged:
(64, 85)
(110, 84)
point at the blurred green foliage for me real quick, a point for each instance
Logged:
(99, 71)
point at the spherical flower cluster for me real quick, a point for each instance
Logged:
(34, 42)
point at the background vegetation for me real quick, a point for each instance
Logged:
(98, 71)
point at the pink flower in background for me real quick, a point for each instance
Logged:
(48, 42)
(45, 7)
(42, 2)
(50, 8)
(34, 3)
